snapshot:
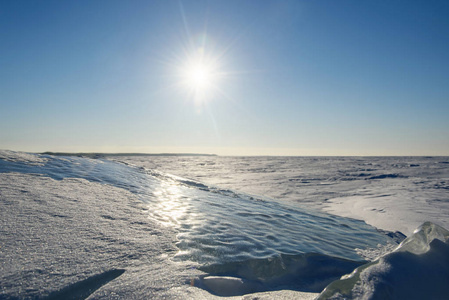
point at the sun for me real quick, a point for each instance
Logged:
(200, 71)
(199, 76)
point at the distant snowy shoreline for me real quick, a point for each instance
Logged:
(101, 154)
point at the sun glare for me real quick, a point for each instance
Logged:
(199, 70)
(199, 76)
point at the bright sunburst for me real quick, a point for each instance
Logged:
(199, 70)
(200, 76)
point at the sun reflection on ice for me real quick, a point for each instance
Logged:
(171, 208)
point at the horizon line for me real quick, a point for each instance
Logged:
(213, 154)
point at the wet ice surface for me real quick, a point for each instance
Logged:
(127, 226)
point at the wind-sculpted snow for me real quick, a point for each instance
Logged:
(417, 269)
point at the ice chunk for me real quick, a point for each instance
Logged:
(228, 286)
(309, 272)
(417, 269)
(420, 241)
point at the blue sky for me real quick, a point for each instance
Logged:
(291, 77)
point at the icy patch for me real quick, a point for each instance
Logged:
(417, 269)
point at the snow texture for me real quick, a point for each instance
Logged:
(55, 234)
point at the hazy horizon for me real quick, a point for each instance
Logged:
(278, 78)
(87, 153)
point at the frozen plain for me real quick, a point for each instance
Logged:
(59, 236)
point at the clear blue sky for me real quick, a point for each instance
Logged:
(291, 77)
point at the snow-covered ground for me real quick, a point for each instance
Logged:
(82, 228)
